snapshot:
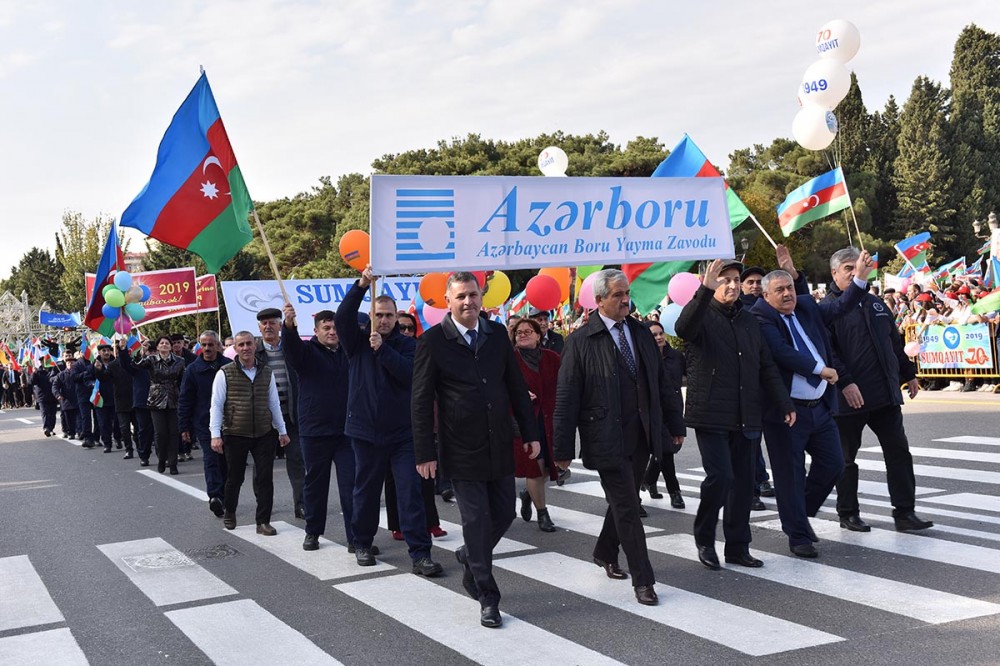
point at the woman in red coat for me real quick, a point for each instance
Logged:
(540, 368)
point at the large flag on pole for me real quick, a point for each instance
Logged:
(649, 282)
(914, 246)
(821, 196)
(111, 260)
(196, 198)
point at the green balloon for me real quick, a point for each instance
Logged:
(114, 297)
(104, 291)
(135, 311)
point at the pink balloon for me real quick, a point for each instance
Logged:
(433, 316)
(123, 325)
(229, 352)
(586, 295)
(682, 287)
(912, 349)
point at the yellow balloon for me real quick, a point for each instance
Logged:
(499, 290)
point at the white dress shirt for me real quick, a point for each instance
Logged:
(219, 401)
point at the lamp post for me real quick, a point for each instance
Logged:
(745, 244)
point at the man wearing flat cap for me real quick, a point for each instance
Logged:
(550, 339)
(270, 353)
(729, 367)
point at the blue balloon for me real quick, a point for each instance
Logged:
(111, 312)
(123, 280)
(146, 293)
(668, 318)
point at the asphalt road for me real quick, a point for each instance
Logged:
(103, 564)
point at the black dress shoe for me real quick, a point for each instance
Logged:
(646, 595)
(642, 511)
(216, 506)
(676, 500)
(804, 550)
(229, 521)
(757, 505)
(525, 505)
(300, 512)
(766, 489)
(708, 557)
(468, 580)
(490, 617)
(265, 529)
(143, 463)
(87, 444)
(107, 449)
(173, 470)
(128, 456)
(311, 542)
(653, 492)
(611, 569)
(161, 467)
(909, 521)
(744, 560)
(425, 566)
(364, 557)
(564, 476)
(854, 524)
(375, 550)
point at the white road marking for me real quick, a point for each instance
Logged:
(971, 439)
(947, 454)
(24, 599)
(453, 541)
(969, 501)
(55, 647)
(594, 489)
(933, 471)
(920, 603)
(330, 562)
(738, 628)
(163, 573)
(28, 421)
(454, 623)
(174, 483)
(242, 633)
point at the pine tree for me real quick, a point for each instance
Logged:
(975, 127)
(881, 161)
(923, 170)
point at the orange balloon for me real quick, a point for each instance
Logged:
(355, 248)
(561, 276)
(432, 287)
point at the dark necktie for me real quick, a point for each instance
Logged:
(472, 338)
(800, 343)
(626, 349)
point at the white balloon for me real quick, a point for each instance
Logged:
(814, 127)
(838, 40)
(553, 161)
(825, 84)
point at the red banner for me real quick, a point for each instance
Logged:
(208, 301)
(169, 289)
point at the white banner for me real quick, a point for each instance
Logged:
(448, 223)
(245, 299)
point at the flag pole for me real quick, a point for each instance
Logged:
(270, 256)
(856, 227)
(766, 235)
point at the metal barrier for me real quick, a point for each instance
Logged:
(987, 369)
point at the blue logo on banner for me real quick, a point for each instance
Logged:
(952, 338)
(425, 225)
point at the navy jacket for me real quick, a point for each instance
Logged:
(814, 318)
(323, 380)
(870, 352)
(83, 379)
(140, 384)
(195, 401)
(380, 383)
(42, 380)
(116, 381)
(64, 388)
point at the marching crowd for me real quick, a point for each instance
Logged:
(470, 405)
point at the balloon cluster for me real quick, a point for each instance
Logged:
(825, 84)
(123, 301)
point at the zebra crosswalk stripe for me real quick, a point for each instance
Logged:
(55, 647)
(24, 599)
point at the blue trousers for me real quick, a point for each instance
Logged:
(371, 461)
(799, 494)
(318, 455)
(215, 466)
(84, 418)
(143, 433)
(107, 424)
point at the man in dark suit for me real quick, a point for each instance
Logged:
(795, 328)
(613, 387)
(467, 365)
(550, 339)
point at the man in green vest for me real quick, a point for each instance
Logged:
(244, 419)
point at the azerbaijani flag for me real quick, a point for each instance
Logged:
(13, 358)
(992, 276)
(946, 270)
(196, 198)
(518, 303)
(984, 249)
(95, 396)
(988, 303)
(821, 196)
(874, 273)
(914, 246)
(648, 282)
(111, 260)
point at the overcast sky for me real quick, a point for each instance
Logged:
(310, 89)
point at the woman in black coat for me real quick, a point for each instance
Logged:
(673, 364)
(165, 371)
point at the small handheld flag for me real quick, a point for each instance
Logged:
(821, 196)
